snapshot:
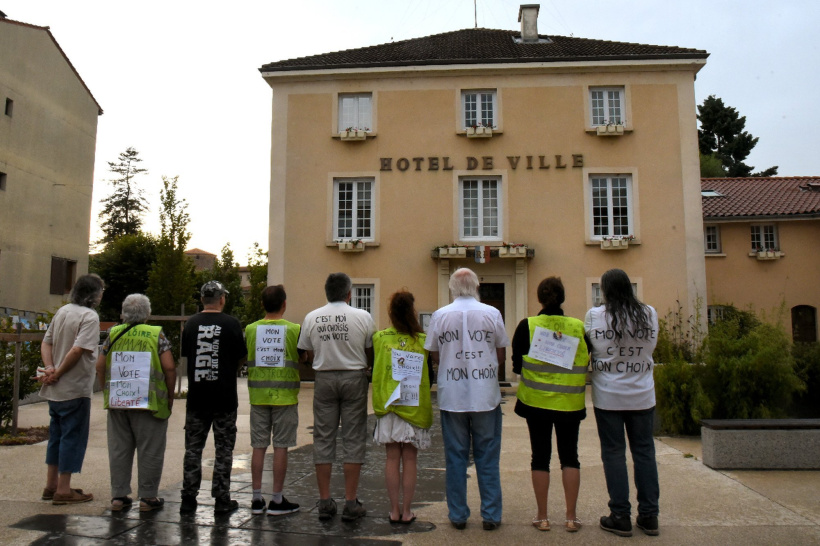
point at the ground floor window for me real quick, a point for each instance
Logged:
(362, 296)
(804, 323)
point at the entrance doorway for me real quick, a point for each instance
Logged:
(493, 295)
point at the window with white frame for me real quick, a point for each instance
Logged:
(353, 208)
(479, 108)
(362, 297)
(764, 237)
(355, 111)
(480, 207)
(714, 313)
(598, 297)
(607, 105)
(611, 199)
(711, 239)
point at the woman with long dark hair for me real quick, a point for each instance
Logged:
(622, 335)
(401, 401)
(551, 393)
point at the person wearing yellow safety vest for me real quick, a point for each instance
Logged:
(273, 386)
(137, 372)
(401, 401)
(550, 353)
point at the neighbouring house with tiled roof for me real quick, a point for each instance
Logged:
(762, 246)
(518, 154)
(202, 259)
(48, 133)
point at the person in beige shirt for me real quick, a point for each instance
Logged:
(69, 352)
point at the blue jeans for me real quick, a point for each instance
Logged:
(68, 434)
(484, 428)
(638, 425)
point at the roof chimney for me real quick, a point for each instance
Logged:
(528, 17)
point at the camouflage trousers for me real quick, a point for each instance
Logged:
(197, 426)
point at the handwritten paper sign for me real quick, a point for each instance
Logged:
(553, 347)
(270, 345)
(130, 374)
(407, 370)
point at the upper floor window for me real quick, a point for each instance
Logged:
(715, 313)
(3, 181)
(607, 105)
(353, 208)
(711, 239)
(611, 199)
(356, 111)
(480, 208)
(764, 237)
(362, 297)
(479, 108)
(63, 272)
(9, 107)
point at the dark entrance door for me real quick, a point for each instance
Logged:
(493, 294)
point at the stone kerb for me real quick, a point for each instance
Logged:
(761, 444)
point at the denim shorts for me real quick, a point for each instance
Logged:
(68, 434)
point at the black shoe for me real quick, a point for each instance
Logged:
(326, 509)
(620, 525)
(188, 505)
(460, 525)
(648, 524)
(258, 506)
(225, 506)
(282, 508)
(490, 525)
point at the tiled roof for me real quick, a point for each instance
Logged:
(482, 46)
(761, 197)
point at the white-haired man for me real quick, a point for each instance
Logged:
(467, 338)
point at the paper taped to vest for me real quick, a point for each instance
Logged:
(270, 345)
(407, 368)
(553, 347)
(130, 375)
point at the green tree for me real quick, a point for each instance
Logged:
(722, 135)
(124, 264)
(123, 209)
(258, 278)
(172, 281)
(226, 271)
(711, 167)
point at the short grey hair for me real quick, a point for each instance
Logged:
(337, 287)
(136, 309)
(464, 282)
(87, 291)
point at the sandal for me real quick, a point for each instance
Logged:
(541, 524)
(573, 525)
(147, 505)
(393, 520)
(408, 521)
(121, 503)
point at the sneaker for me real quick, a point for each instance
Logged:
(326, 508)
(620, 525)
(648, 524)
(352, 514)
(490, 525)
(258, 506)
(460, 525)
(224, 506)
(282, 508)
(188, 505)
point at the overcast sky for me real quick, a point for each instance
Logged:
(179, 80)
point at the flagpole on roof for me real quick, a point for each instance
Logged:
(475, 13)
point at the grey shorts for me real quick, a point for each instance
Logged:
(340, 396)
(280, 422)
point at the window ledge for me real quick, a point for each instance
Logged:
(609, 130)
(496, 251)
(480, 132)
(599, 243)
(767, 255)
(353, 135)
(715, 254)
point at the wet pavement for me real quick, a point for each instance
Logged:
(168, 526)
